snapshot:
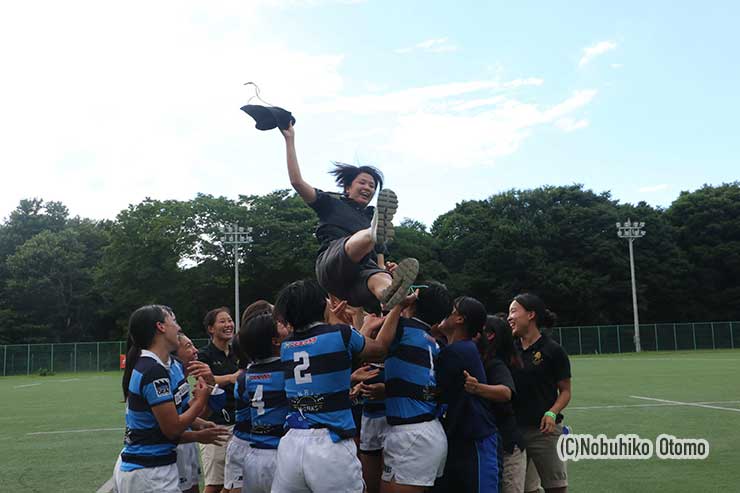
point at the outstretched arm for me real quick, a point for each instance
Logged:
(306, 191)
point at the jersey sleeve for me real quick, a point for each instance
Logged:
(323, 203)
(155, 386)
(561, 364)
(354, 341)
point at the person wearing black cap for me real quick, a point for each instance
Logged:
(541, 372)
(348, 232)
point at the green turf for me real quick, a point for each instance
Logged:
(81, 462)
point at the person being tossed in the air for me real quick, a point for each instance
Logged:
(349, 229)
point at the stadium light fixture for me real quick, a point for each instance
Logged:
(233, 234)
(632, 231)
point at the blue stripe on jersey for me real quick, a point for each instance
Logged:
(318, 364)
(144, 444)
(409, 374)
(269, 404)
(243, 417)
(182, 394)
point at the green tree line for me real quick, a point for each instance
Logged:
(68, 278)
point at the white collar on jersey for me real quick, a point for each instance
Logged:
(267, 360)
(421, 321)
(146, 352)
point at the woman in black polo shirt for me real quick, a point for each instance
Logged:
(347, 264)
(541, 372)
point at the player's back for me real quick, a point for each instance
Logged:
(318, 364)
(410, 380)
(269, 404)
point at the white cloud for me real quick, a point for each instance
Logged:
(142, 102)
(591, 52)
(99, 118)
(571, 124)
(438, 45)
(654, 188)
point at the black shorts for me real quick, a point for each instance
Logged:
(343, 278)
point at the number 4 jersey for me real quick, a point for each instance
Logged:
(265, 384)
(318, 366)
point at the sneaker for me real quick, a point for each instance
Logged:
(387, 207)
(403, 277)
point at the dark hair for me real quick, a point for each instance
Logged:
(434, 303)
(142, 327)
(345, 174)
(212, 315)
(473, 313)
(301, 303)
(502, 346)
(259, 306)
(543, 317)
(255, 337)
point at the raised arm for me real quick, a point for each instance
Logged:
(306, 191)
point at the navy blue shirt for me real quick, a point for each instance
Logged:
(468, 417)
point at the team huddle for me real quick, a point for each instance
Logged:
(364, 379)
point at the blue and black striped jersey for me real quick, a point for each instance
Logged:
(243, 423)
(151, 384)
(410, 381)
(318, 366)
(270, 407)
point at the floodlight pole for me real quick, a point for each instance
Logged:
(236, 235)
(631, 231)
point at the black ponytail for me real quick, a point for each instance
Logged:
(544, 318)
(142, 327)
(473, 313)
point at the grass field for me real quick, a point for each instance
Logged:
(62, 433)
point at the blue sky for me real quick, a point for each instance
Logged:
(105, 104)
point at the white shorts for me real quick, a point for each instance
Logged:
(236, 454)
(162, 479)
(372, 433)
(308, 460)
(415, 454)
(188, 465)
(259, 470)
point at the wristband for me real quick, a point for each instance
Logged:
(551, 414)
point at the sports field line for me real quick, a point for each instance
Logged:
(692, 404)
(662, 404)
(73, 431)
(108, 486)
(669, 358)
(26, 385)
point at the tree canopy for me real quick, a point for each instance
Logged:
(68, 278)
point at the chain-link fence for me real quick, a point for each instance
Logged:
(597, 339)
(25, 359)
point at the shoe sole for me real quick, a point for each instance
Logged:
(403, 277)
(387, 207)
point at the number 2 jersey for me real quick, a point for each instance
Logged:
(260, 391)
(318, 367)
(152, 383)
